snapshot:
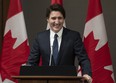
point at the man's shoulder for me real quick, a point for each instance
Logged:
(70, 31)
(43, 32)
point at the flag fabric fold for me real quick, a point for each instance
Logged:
(96, 44)
(57, 1)
(15, 49)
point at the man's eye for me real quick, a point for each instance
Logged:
(53, 18)
(59, 17)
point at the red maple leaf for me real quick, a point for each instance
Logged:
(12, 59)
(99, 59)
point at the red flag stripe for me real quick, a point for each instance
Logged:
(94, 9)
(14, 8)
(57, 1)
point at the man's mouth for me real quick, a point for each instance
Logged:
(56, 25)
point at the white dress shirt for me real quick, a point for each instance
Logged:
(59, 38)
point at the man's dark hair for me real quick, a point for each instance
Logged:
(55, 7)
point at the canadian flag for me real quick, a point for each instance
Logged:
(96, 44)
(15, 48)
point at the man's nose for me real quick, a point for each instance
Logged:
(57, 21)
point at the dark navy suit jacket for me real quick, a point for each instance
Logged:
(70, 47)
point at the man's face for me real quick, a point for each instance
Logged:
(55, 21)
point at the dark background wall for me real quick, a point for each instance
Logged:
(3, 15)
(34, 12)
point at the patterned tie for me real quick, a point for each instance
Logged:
(55, 48)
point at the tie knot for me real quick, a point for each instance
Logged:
(55, 36)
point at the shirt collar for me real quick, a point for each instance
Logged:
(53, 33)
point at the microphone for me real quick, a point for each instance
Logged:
(51, 54)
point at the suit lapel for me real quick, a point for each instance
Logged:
(48, 44)
(62, 46)
(48, 47)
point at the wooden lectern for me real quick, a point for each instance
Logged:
(48, 74)
(49, 79)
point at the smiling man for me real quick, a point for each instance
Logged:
(63, 44)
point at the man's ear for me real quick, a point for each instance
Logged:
(47, 19)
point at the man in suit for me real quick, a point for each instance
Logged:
(69, 44)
